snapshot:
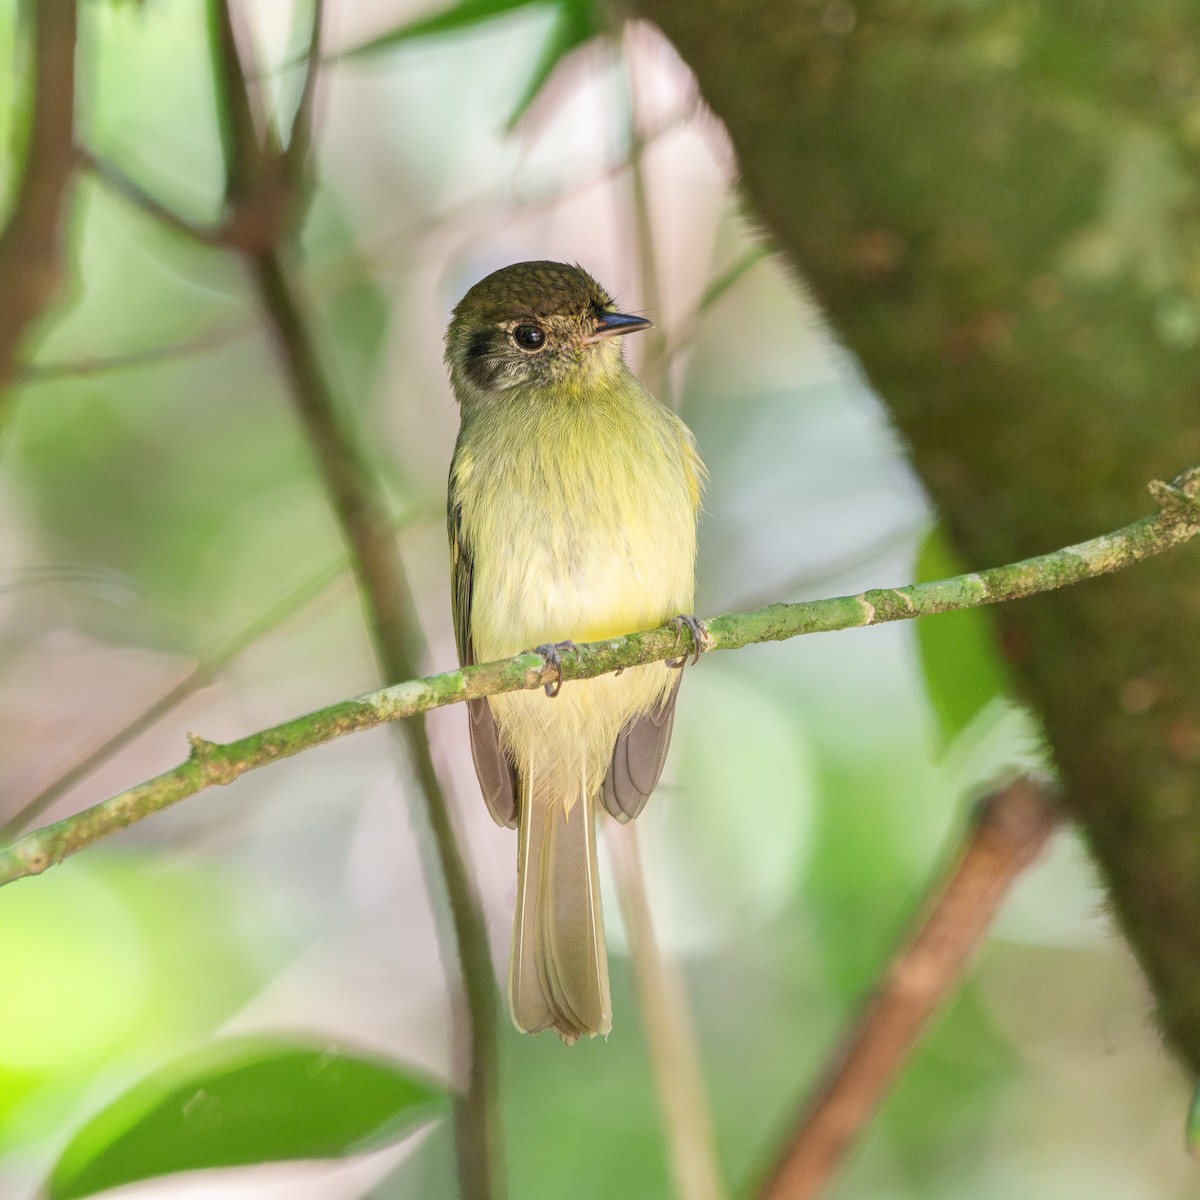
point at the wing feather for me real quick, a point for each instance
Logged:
(497, 777)
(638, 759)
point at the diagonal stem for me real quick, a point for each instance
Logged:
(359, 508)
(202, 675)
(261, 212)
(670, 1034)
(241, 123)
(662, 997)
(390, 612)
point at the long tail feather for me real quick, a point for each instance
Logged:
(558, 977)
(531, 1012)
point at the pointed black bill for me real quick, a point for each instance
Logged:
(614, 324)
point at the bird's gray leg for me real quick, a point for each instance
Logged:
(700, 638)
(552, 652)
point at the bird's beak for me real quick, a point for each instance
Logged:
(616, 324)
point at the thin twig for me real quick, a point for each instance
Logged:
(31, 244)
(298, 152)
(667, 1024)
(203, 674)
(121, 184)
(360, 511)
(1009, 831)
(214, 763)
(717, 287)
(219, 336)
(662, 998)
(335, 271)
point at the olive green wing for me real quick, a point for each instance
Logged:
(638, 759)
(497, 778)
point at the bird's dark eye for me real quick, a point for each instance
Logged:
(528, 337)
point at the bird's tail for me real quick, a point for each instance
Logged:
(558, 975)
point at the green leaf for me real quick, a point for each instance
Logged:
(1193, 1125)
(160, 955)
(958, 652)
(576, 23)
(462, 15)
(240, 1101)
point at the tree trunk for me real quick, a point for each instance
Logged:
(998, 206)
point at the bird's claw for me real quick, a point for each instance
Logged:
(552, 652)
(700, 640)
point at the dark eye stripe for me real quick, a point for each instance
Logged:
(480, 364)
(479, 344)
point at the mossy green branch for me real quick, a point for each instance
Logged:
(213, 763)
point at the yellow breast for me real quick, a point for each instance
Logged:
(581, 519)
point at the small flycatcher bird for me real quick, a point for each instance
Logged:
(572, 512)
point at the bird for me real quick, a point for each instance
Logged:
(572, 508)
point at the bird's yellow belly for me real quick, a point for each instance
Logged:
(582, 589)
(582, 568)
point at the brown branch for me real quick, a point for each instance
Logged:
(298, 153)
(358, 507)
(1009, 831)
(262, 208)
(399, 647)
(31, 244)
(259, 204)
(241, 123)
(129, 189)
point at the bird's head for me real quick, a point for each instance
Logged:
(535, 325)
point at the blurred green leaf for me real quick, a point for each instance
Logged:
(353, 313)
(459, 16)
(241, 1101)
(576, 22)
(959, 657)
(1193, 1125)
(161, 956)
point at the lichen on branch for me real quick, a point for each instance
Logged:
(215, 763)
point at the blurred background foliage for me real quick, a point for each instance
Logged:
(158, 500)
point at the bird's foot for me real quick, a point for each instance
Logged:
(552, 652)
(700, 639)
